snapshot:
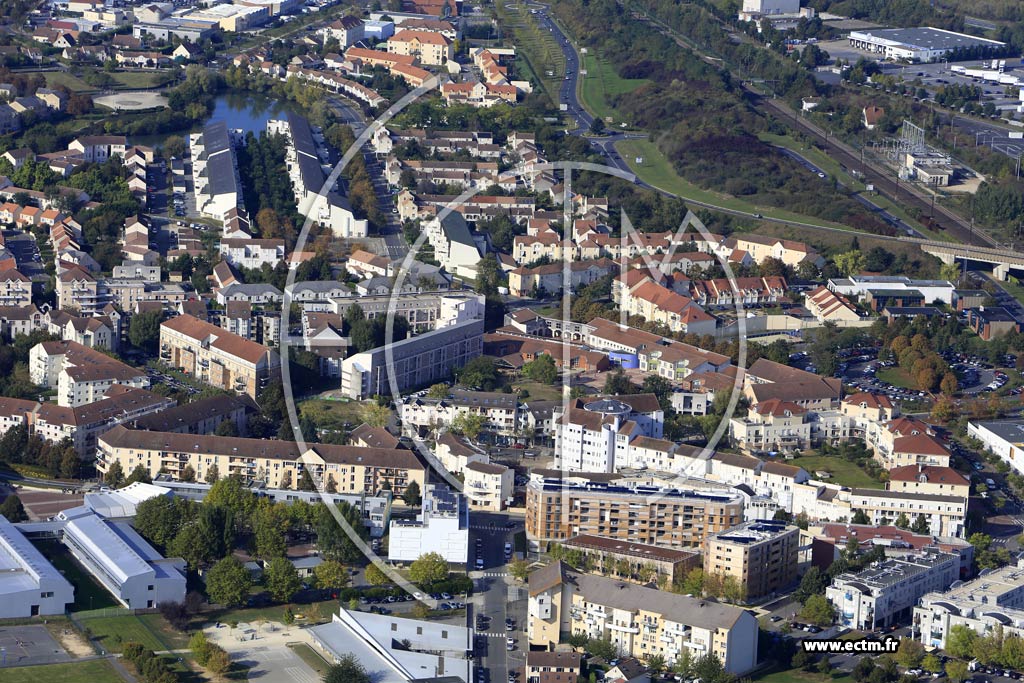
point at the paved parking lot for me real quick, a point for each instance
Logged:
(275, 663)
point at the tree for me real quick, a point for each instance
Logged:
(174, 146)
(910, 653)
(931, 663)
(520, 569)
(812, 583)
(228, 582)
(231, 494)
(956, 671)
(282, 579)
(818, 610)
(428, 568)
(542, 369)
(70, 464)
(13, 510)
(188, 473)
(469, 424)
(660, 387)
(960, 642)
(850, 262)
(860, 517)
(656, 663)
(193, 544)
(902, 521)
(140, 473)
(921, 525)
(212, 473)
(617, 384)
(411, 494)
(862, 670)
(374, 576)
(376, 415)
(439, 390)
(114, 476)
(330, 574)
(144, 330)
(481, 372)
(347, 670)
(270, 525)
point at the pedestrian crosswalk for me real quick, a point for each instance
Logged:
(495, 574)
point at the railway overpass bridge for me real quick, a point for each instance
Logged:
(1001, 260)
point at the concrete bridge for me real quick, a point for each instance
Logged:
(1002, 260)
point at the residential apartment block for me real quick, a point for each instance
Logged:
(79, 374)
(640, 622)
(488, 486)
(215, 177)
(441, 527)
(278, 464)
(671, 563)
(761, 556)
(422, 413)
(879, 595)
(216, 356)
(593, 435)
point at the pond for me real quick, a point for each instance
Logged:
(244, 110)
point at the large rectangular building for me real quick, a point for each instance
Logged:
(217, 356)
(277, 464)
(924, 44)
(215, 171)
(639, 621)
(415, 362)
(442, 527)
(1005, 438)
(886, 592)
(558, 509)
(762, 556)
(29, 585)
(80, 374)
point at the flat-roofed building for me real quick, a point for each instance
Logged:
(123, 562)
(760, 555)
(639, 621)
(442, 527)
(917, 44)
(29, 585)
(216, 356)
(599, 505)
(992, 601)
(640, 558)
(277, 464)
(487, 485)
(1005, 438)
(886, 592)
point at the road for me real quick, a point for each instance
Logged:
(995, 136)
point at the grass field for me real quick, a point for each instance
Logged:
(92, 671)
(311, 657)
(68, 80)
(898, 378)
(537, 48)
(332, 414)
(139, 79)
(844, 472)
(112, 632)
(601, 84)
(88, 593)
(540, 392)
(312, 613)
(797, 676)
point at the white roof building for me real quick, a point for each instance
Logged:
(442, 527)
(29, 585)
(435, 649)
(122, 502)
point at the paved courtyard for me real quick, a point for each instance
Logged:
(264, 649)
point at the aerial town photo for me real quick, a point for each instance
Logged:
(511, 341)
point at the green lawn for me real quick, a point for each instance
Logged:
(140, 79)
(310, 657)
(797, 676)
(537, 48)
(88, 593)
(540, 392)
(898, 378)
(602, 83)
(844, 472)
(332, 414)
(92, 671)
(69, 80)
(113, 632)
(312, 613)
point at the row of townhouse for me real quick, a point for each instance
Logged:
(338, 84)
(479, 94)
(552, 278)
(277, 464)
(215, 177)
(478, 144)
(97, 332)
(80, 374)
(79, 291)
(462, 174)
(747, 290)
(479, 207)
(657, 303)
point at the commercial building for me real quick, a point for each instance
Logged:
(216, 356)
(861, 285)
(992, 321)
(123, 562)
(307, 152)
(761, 556)
(488, 486)
(593, 435)
(79, 374)
(230, 17)
(275, 464)
(557, 509)
(1005, 438)
(184, 28)
(441, 527)
(29, 585)
(639, 559)
(396, 649)
(218, 188)
(640, 622)
(828, 541)
(923, 44)
(415, 362)
(992, 601)
(885, 593)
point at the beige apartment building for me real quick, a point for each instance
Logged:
(216, 356)
(488, 486)
(432, 49)
(760, 555)
(612, 555)
(673, 518)
(279, 464)
(639, 622)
